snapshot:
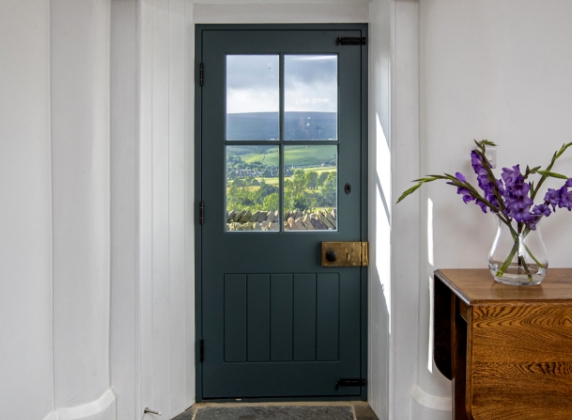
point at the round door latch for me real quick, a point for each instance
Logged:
(348, 188)
(331, 255)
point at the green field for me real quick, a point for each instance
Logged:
(274, 180)
(297, 156)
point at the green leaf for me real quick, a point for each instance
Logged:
(552, 174)
(426, 179)
(409, 192)
(563, 149)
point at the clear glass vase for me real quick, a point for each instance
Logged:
(518, 258)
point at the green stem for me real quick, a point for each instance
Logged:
(533, 257)
(523, 263)
(514, 250)
(508, 260)
(549, 168)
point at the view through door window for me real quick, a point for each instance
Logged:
(277, 177)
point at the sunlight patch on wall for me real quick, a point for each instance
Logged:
(383, 250)
(383, 163)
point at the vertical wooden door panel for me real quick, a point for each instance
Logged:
(258, 317)
(328, 312)
(281, 317)
(235, 318)
(304, 317)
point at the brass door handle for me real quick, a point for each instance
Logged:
(356, 254)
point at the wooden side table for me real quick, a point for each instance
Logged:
(507, 349)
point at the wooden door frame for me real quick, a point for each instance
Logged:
(363, 27)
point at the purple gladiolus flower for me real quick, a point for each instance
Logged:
(467, 196)
(565, 198)
(552, 197)
(519, 207)
(488, 186)
(475, 160)
(482, 205)
(533, 221)
(500, 187)
(521, 213)
(512, 176)
(541, 210)
(510, 198)
(520, 189)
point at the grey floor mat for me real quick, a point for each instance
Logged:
(275, 413)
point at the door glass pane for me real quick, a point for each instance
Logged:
(252, 188)
(310, 97)
(252, 97)
(310, 187)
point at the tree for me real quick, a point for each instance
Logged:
(321, 178)
(264, 191)
(271, 202)
(329, 190)
(301, 202)
(298, 182)
(311, 179)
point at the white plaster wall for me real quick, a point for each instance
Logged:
(81, 207)
(488, 69)
(403, 339)
(379, 42)
(295, 12)
(125, 324)
(26, 356)
(166, 202)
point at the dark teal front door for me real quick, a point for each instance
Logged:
(281, 153)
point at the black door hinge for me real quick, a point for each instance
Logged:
(350, 382)
(201, 74)
(202, 212)
(201, 350)
(348, 40)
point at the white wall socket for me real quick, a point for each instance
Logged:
(491, 154)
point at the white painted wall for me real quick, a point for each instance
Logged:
(295, 12)
(81, 202)
(379, 41)
(488, 69)
(26, 351)
(55, 210)
(152, 129)
(404, 330)
(166, 202)
(125, 323)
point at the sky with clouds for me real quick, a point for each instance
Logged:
(253, 83)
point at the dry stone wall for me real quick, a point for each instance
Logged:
(270, 220)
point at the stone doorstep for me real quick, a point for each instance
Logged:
(361, 409)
